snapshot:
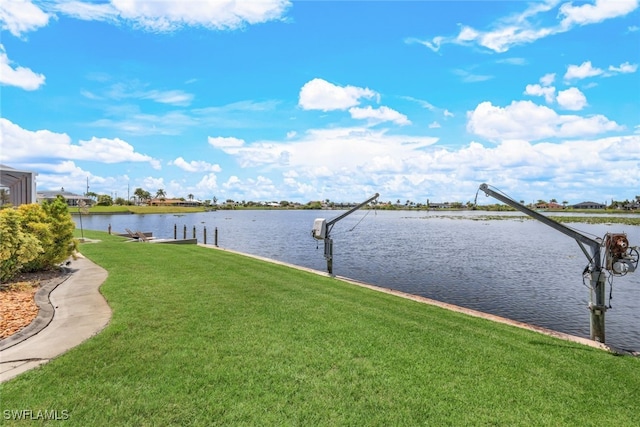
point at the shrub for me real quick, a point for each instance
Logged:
(36, 222)
(62, 225)
(17, 248)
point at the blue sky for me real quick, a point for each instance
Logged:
(274, 100)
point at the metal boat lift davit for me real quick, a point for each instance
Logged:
(322, 229)
(610, 254)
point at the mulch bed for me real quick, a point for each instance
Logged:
(17, 306)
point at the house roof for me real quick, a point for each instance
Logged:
(65, 194)
(589, 204)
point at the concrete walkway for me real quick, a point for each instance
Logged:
(69, 314)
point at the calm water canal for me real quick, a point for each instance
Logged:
(517, 267)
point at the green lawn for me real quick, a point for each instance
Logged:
(206, 337)
(137, 209)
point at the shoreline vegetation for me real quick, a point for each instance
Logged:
(227, 339)
(587, 216)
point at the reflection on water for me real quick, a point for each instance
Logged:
(517, 268)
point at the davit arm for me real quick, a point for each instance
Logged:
(619, 259)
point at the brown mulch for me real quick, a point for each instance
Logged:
(17, 306)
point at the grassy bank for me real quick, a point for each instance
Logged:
(138, 210)
(205, 337)
(627, 220)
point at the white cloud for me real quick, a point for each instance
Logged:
(427, 105)
(582, 71)
(195, 165)
(528, 121)
(379, 115)
(207, 184)
(107, 150)
(87, 11)
(53, 176)
(442, 173)
(502, 39)
(174, 97)
(525, 27)
(624, 68)
(171, 15)
(548, 92)
(21, 145)
(344, 170)
(585, 70)
(259, 188)
(424, 104)
(599, 11)
(513, 61)
(343, 148)
(319, 94)
(229, 145)
(20, 77)
(469, 77)
(137, 123)
(468, 34)
(547, 79)
(21, 16)
(135, 89)
(571, 99)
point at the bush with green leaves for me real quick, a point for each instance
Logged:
(36, 223)
(35, 237)
(64, 244)
(17, 247)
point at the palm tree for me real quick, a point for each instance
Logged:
(141, 194)
(190, 196)
(160, 194)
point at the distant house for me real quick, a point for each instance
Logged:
(71, 198)
(273, 204)
(21, 185)
(550, 205)
(589, 205)
(444, 205)
(631, 206)
(174, 202)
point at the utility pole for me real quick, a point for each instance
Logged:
(611, 254)
(322, 230)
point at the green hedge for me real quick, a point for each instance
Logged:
(35, 237)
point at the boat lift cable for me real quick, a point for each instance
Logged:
(358, 223)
